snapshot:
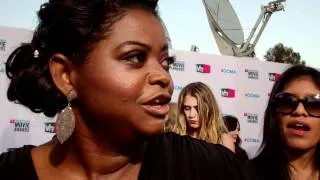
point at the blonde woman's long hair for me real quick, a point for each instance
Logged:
(172, 116)
(212, 124)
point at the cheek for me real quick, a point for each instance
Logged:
(185, 113)
(282, 121)
(108, 85)
(316, 126)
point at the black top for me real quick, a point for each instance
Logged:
(261, 168)
(168, 157)
(17, 164)
(258, 172)
(241, 154)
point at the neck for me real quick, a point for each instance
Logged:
(195, 133)
(100, 152)
(303, 162)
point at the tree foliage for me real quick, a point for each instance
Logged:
(282, 54)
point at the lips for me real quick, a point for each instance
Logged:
(192, 121)
(157, 105)
(298, 128)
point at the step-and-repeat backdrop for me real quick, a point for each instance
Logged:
(240, 85)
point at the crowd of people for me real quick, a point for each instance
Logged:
(103, 68)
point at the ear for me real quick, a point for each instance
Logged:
(61, 69)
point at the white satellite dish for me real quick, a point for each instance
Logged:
(227, 30)
(225, 19)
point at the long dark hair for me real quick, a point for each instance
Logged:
(68, 27)
(232, 122)
(272, 162)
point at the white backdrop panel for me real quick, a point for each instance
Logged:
(240, 85)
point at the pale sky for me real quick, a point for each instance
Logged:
(296, 27)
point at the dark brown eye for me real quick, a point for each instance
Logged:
(136, 58)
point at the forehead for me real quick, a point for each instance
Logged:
(140, 25)
(190, 100)
(301, 86)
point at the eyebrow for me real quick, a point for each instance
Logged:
(163, 48)
(190, 106)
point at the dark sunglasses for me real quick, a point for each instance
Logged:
(287, 103)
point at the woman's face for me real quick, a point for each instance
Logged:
(235, 133)
(299, 129)
(190, 110)
(125, 84)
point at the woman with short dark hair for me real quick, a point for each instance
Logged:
(103, 67)
(233, 126)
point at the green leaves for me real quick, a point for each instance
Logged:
(282, 54)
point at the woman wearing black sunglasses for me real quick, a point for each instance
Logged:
(290, 149)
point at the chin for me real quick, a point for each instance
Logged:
(300, 146)
(153, 129)
(194, 126)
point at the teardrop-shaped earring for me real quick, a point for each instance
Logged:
(66, 122)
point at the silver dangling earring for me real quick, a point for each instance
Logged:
(66, 121)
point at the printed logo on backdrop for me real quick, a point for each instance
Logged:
(251, 118)
(274, 76)
(3, 44)
(252, 95)
(177, 66)
(203, 68)
(20, 125)
(228, 71)
(228, 93)
(177, 88)
(50, 127)
(251, 140)
(2, 70)
(252, 74)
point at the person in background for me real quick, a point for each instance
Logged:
(233, 126)
(199, 116)
(290, 148)
(103, 67)
(171, 118)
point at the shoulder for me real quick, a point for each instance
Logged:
(264, 167)
(16, 162)
(198, 158)
(251, 169)
(241, 154)
(188, 144)
(15, 155)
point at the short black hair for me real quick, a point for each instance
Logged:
(231, 123)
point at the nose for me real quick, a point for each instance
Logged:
(300, 110)
(236, 132)
(159, 76)
(192, 112)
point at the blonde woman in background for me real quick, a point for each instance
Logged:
(199, 116)
(171, 119)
